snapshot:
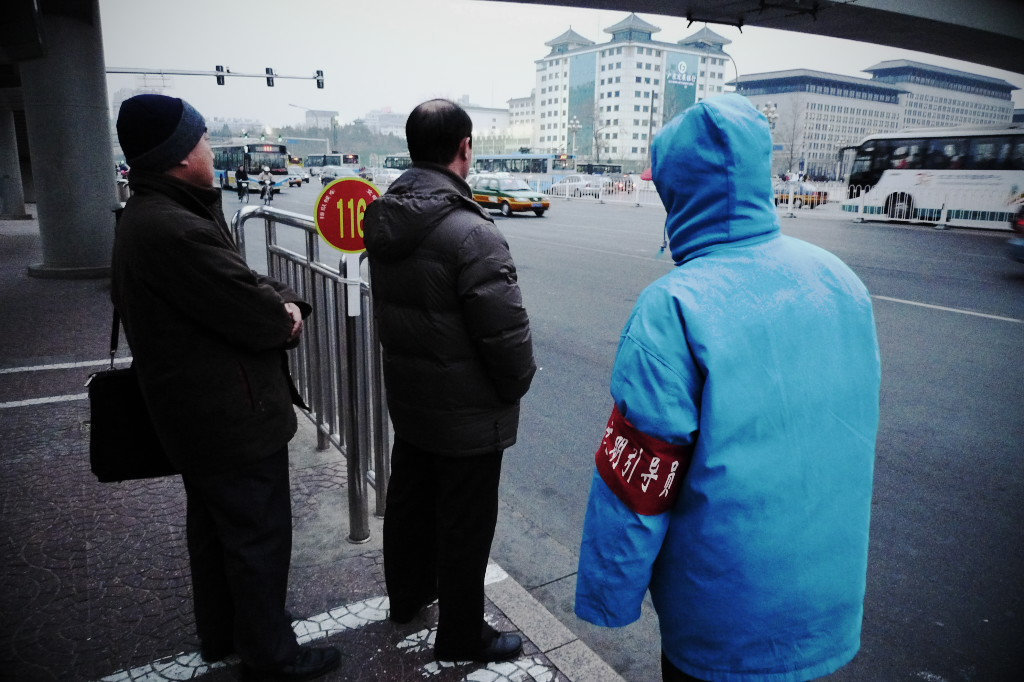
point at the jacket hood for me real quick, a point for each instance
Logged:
(712, 168)
(416, 202)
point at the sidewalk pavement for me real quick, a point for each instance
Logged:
(95, 579)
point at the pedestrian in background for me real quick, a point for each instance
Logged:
(734, 479)
(208, 338)
(457, 358)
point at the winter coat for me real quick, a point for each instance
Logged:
(207, 334)
(757, 359)
(456, 338)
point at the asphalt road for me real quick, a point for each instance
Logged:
(945, 593)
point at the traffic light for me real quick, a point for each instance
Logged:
(270, 77)
(245, 134)
(319, 79)
(263, 138)
(220, 79)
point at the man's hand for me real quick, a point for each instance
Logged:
(296, 315)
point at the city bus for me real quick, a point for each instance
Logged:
(253, 157)
(399, 162)
(599, 168)
(316, 162)
(965, 177)
(536, 164)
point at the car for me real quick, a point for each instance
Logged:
(805, 194)
(329, 174)
(508, 195)
(296, 176)
(1016, 244)
(580, 186)
(385, 176)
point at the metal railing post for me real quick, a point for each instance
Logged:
(356, 404)
(345, 396)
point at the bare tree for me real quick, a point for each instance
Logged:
(790, 132)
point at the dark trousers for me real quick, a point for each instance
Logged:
(438, 528)
(670, 673)
(239, 528)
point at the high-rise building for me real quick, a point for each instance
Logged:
(815, 114)
(521, 117)
(935, 96)
(386, 122)
(606, 101)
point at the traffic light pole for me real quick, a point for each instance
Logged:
(220, 74)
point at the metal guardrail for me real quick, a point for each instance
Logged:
(337, 364)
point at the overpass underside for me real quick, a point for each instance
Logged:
(988, 32)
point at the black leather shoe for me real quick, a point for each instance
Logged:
(504, 647)
(402, 616)
(212, 652)
(309, 663)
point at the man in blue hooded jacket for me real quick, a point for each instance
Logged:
(734, 478)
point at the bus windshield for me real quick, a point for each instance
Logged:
(251, 157)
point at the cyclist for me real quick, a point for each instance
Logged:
(242, 183)
(266, 184)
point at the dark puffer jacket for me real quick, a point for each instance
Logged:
(207, 333)
(457, 349)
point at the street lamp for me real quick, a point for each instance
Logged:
(771, 112)
(574, 126)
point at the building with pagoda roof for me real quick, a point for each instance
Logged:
(706, 40)
(570, 40)
(604, 101)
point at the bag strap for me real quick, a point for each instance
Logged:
(113, 337)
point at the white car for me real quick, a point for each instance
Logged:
(329, 174)
(296, 176)
(579, 186)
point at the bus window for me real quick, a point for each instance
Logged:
(956, 150)
(562, 162)
(984, 154)
(906, 154)
(879, 152)
(1016, 160)
(937, 158)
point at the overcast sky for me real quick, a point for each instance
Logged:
(377, 54)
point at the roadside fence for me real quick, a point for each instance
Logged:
(942, 206)
(337, 364)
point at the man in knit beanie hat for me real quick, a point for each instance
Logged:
(208, 339)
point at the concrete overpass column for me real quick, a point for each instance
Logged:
(67, 117)
(12, 196)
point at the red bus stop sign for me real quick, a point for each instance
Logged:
(339, 213)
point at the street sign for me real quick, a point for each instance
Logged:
(339, 213)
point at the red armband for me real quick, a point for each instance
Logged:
(645, 472)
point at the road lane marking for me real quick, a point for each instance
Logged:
(962, 311)
(45, 401)
(62, 365)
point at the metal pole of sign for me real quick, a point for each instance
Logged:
(357, 405)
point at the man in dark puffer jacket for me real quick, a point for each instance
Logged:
(208, 338)
(457, 359)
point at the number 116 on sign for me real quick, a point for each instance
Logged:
(340, 211)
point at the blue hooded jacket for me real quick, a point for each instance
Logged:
(757, 353)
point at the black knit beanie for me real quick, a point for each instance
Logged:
(156, 131)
